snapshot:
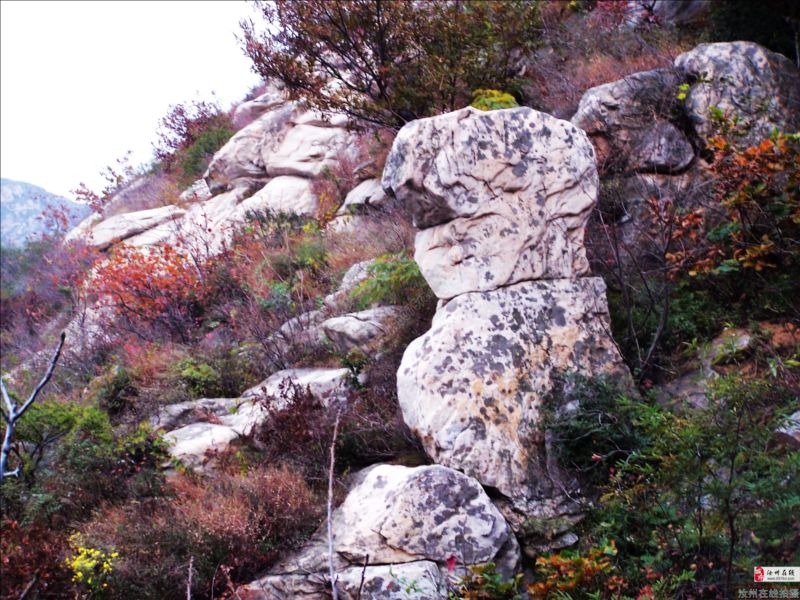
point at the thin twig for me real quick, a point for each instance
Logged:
(363, 575)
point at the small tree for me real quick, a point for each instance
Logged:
(13, 411)
(386, 62)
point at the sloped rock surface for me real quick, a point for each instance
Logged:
(399, 516)
(121, 227)
(273, 97)
(368, 193)
(284, 194)
(501, 197)
(741, 79)
(328, 385)
(198, 427)
(366, 330)
(304, 150)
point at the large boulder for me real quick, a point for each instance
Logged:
(628, 122)
(395, 515)
(474, 386)
(241, 156)
(500, 196)
(744, 80)
(305, 150)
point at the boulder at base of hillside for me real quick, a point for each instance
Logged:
(365, 330)
(473, 387)
(327, 385)
(501, 196)
(284, 194)
(399, 515)
(743, 80)
(121, 227)
(367, 193)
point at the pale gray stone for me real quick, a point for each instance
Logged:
(501, 196)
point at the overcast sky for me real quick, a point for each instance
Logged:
(83, 82)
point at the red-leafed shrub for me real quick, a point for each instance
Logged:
(160, 288)
(29, 557)
(230, 527)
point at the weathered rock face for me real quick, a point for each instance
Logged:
(305, 150)
(121, 227)
(365, 330)
(744, 79)
(242, 155)
(397, 515)
(473, 387)
(284, 194)
(368, 193)
(651, 141)
(199, 427)
(501, 197)
(628, 122)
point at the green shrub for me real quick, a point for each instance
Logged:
(492, 100)
(194, 160)
(696, 490)
(483, 581)
(393, 279)
(201, 379)
(111, 390)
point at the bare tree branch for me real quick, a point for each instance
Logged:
(15, 413)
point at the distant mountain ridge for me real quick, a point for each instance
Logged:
(21, 205)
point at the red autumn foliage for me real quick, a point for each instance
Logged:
(29, 555)
(160, 287)
(755, 222)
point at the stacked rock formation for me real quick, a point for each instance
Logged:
(502, 199)
(650, 129)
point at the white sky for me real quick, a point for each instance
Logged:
(83, 82)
